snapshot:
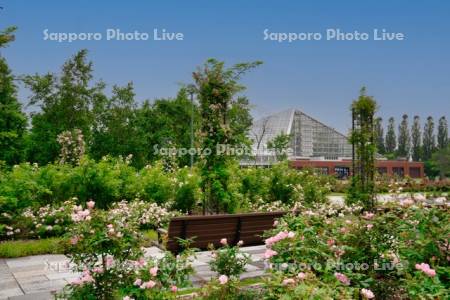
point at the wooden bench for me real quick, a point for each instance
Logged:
(206, 230)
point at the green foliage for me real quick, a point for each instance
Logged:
(216, 87)
(163, 124)
(187, 190)
(441, 162)
(404, 138)
(13, 249)
(101, 246)
(229, 260)
(374, 251)
(13, 121)
(116, 131)
(379, 135)
(280, 145)
(429, 139)
(442, 136)
(66, 103)
(166, 274)
(157, 185)
(391, 141)
(363, 140)
(416, 140)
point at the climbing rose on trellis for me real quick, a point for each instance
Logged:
(72, 146)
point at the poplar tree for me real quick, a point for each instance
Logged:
(442, 133)
(391, 142)
(429, 143)
(404, 138)
(416, 139)
(379, 135)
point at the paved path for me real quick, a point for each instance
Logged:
(37, 277)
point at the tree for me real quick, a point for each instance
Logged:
(279, 145)
(12, 120)
(416, 139)
(442, 133)
(115, 131)
(364, 149)
(67, 102)
(391, 143)
(404, 138)
(441, 161)
(429, 143)
(216, 88)
(379, 135)
(164, 124)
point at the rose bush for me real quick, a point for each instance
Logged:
(372, 251)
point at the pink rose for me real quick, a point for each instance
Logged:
(301, 276)
(330, 243)
(90, 204)
(109, 261)
(369, 226)
(426, 269)
(74, 240)
(154, 271)
(138, 282)
(223, 241)
(148, 285)
(288, 281)
(275, 223)
(342, 278)
(291, 234)
(223, 279)
(240, 243)
(367, 294)
(269, 253)
(174, 288)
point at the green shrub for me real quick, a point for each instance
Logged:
(156, 185)
(187, 190)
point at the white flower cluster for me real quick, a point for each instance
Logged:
(72, 146)
(145, 214)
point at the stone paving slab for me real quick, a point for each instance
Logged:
(34, 296)
(39, 277)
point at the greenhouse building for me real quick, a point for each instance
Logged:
(315, 145)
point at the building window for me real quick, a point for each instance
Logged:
(414, 172)
(398, 171)
(382, 170)
(321, 170)
(342, 172)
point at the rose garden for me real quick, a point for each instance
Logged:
(82, 183)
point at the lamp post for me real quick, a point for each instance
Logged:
(191, 90)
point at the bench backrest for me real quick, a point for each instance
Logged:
(206, 230)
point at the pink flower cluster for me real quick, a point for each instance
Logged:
(368, 215)
(426, 269)
(79, 214)
(85, 278)
(144, 285)
(278, 237)
(223, 279)
(342, 278)
(269, 253)
(367, 294)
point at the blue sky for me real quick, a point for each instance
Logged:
(319, 77)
